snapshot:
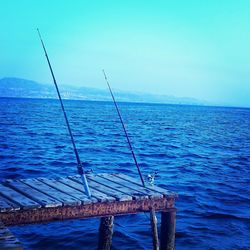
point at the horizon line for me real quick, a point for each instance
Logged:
(132, 102)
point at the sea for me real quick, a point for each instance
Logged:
(200, 152)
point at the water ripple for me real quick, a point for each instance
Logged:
(203, 153)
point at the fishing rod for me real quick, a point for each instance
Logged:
(153, 218)
(79, 163)
(124, 128)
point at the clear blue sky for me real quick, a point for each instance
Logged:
(189, 48)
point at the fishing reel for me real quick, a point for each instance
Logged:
(90, 171)
(151, 178)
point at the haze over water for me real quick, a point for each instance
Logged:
(202, 153)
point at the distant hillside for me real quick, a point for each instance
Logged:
(16, 87)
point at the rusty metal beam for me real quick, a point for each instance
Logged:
(86, 211)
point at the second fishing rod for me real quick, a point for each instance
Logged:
(124, 129)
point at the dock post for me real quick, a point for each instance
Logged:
(153, 221)
(105, 233)
(168, 224)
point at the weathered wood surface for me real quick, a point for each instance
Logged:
(39, 200)
(68, 190)
(7, 240)
(63, 197)
(151, 187)
(134, 189)
(33, 194)
(118, 186)
(18, 198)
(7, 205)
(100, 196)
(104, 188)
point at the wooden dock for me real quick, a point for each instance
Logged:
(27, 201)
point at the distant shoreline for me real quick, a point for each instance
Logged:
(11, 87)
(126, 102)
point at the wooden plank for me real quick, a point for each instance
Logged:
(54, 193)
(138, 190)
(117, 187)
(120, 196)
(104, 189)
(22, 200)
(6, 205)
(79, 186)
(7, 240)
(151, 187)
(71, 191)
(41, 198)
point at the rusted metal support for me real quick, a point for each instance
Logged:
(105, 233)
(168, 225)
(84, 211)
(153, 221)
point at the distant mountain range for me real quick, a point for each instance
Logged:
(22, 88)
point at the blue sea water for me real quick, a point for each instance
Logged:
(202, 153)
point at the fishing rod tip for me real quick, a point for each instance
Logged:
(38, 31)
(103, 71)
